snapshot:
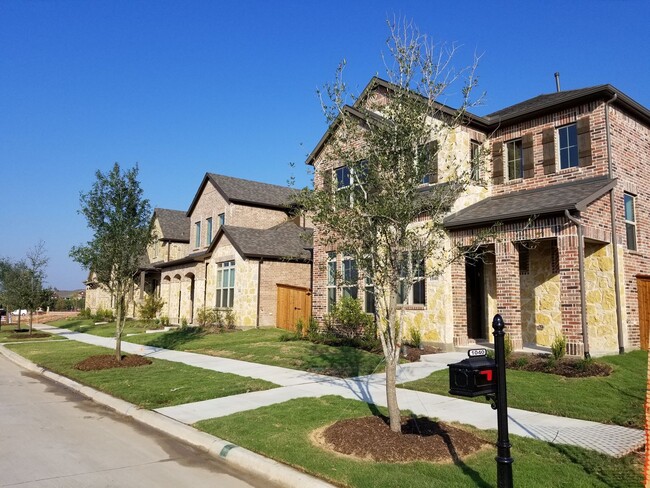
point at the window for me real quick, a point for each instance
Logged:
(331, 281)
(515, 159)
(350, 277)
(225, 284)
(222, 219)
(415, 268)
(430, 162)
(370, 296)
(524, 260)
(568, 138)
(342, 177)
(197, 234)
(208, 237)
(630, 221)
(475, 161)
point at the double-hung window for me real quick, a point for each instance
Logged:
(197, 234)
(222, 219)
(568, 146)
(630, 221)
(225, 284)
(343, 177)
(475, 161)
(429, 160)
(413, 268)
(350, 277)
(515, 154)
(331, 281)
(208, 231)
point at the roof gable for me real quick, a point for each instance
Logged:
(174, 224)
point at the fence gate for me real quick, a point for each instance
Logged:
(643, 288)
(294, 303)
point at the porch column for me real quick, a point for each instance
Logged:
(509, 290)
(570, 293)
(459, 301)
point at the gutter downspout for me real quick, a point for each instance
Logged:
(581, 271)
(612, 205)
(259, 286)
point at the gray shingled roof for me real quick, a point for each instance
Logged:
(174, 224)
(284, 241)
(572, 196)
(238, 190)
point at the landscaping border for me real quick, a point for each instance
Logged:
(237, 456)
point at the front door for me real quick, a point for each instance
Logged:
(643, 288)
(475, 285)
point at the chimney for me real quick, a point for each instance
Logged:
(557, 81)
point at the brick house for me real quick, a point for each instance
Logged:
(244, 243)
(563, 169)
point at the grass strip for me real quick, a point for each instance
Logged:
(615, 399)
(160, 384)
(282, 432)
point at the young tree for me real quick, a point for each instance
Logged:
(120, 219)
(376, 210)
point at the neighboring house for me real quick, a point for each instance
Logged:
(171, 232)
(564, 167)
(245, 249)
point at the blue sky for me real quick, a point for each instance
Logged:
(186, 87)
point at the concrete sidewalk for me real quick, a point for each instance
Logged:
(609, 439)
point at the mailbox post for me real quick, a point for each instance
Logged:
(479, 375)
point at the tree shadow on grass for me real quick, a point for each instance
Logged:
(176, 338)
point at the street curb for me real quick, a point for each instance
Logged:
(237, 456)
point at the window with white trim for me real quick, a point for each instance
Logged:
(350, 277)
(413, 267)
(343, 177)
(630, 220)
(515, 158)
(222, 219)
(475, 161)
(568, 146)
(225, 284)
(331, 281)
(197, 234)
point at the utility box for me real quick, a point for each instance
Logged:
(474, 376)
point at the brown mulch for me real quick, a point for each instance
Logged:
(567, 367)
(413, 353)
(108, 361)
(422, 439)
(25, 335)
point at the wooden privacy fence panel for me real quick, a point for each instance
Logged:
(293, 303)
(643, 288)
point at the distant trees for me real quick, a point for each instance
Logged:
(120, 219)
(21, 282)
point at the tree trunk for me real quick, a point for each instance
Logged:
(19, 315)
(118, 329)
(31, 319)
(394, 414)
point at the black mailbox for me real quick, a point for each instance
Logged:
(474, 376)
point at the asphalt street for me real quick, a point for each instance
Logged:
(52, 437)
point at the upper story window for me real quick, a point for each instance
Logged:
(343, 177)
(414, 268)
(630, 221)
(197, 234)
(225, 284)
(208, 231)
(475, 161)
(222, 219)
(568, 146)
(430, 162)
(515, 154)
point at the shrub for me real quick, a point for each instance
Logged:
(164, 321)
(206, 317)
(85, 313)
(558, 348)
(348, 320)
(150, 307)
(183, 322)
(416, 336)
(104, 315)
(218, 318)
(230, 318)
(300, 327)
(313, 329)
(507, 346)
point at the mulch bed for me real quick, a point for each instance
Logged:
(24, 334)
(568, 367)
(413, 353)
(422, 439)
(108, 361)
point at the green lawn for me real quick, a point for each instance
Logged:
(160, 384)
(105, 330)
(282, 432)
(615, 399)
(6, 331)
(265, 346)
